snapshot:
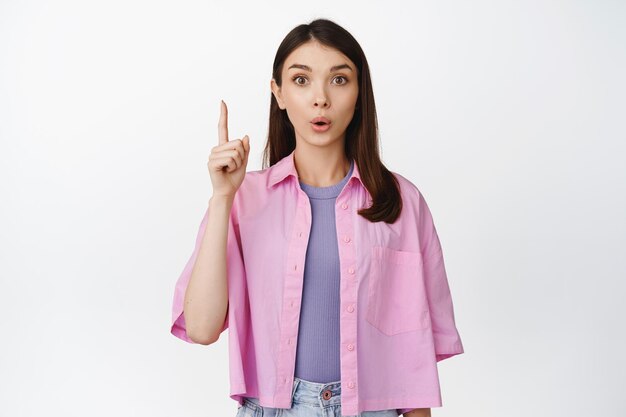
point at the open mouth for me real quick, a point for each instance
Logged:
(320, 121)
(320, 124)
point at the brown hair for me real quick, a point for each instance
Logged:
(361, 143)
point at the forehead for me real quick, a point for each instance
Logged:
(317, 56)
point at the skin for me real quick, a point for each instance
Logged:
(317, 91)
(319, 156)
(418, 412)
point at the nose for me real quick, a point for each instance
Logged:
(321, 102)
(321, 99)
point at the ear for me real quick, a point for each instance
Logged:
(277, 94)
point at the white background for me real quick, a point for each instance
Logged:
(509, 117)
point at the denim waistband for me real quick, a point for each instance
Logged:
(316, 394)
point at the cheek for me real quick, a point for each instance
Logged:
(349, 97)
(295, 109)
(294, 102)
(348, 102)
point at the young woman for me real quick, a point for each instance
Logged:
(325, 266)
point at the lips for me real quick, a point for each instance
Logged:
(320, 121)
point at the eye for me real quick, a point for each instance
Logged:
(345, 80)
(340, 77)
(296, 77)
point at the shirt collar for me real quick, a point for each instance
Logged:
(286, 167)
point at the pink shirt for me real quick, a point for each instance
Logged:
(396, 319)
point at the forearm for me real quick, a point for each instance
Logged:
(206, 297)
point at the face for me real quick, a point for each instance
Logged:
(318, 81)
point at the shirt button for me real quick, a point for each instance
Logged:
(351, 270)
(350, 346)
(350, 384)
(344, 206)
(288, 341)
(350, 308)
(346, 238)
(284, 380)
(295, 266)
(291, 304)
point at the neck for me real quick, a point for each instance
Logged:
(321, 167)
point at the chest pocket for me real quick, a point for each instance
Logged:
(396, 299)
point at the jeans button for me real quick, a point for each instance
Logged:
(327, 394)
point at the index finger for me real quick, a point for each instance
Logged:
(222, 126)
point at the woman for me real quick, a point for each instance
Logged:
(325, 266)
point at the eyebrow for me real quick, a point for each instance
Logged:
(307, 68)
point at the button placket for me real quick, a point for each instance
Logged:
(348, 298)
(292, 289)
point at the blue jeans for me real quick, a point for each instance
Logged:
(308, 399)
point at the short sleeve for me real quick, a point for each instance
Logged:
(234, 267)
(446, 336)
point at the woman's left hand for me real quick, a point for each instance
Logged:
(418, 412)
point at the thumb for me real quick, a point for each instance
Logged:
(246, 144)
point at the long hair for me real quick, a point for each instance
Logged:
(361, 142)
